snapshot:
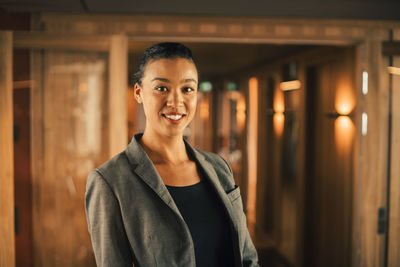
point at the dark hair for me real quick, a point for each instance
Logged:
(168, 50)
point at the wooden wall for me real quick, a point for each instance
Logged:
(7, 240)
(329, 171)
(70, 137)
(22, 172)
(370, 156)
(394, 204)
(304, 193)
(371, 169)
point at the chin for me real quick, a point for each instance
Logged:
(173, 133)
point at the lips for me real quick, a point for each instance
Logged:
(174, 117)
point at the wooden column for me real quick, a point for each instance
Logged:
(394, 219)
(7, 246)
(118, 86)
(372, 160)
(252, 134)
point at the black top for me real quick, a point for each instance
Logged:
(207, 221)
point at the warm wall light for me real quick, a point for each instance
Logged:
(241, 113)
(394, 70)
(252, 149)
(279, 122)
(344, 97)
(344, 134)
(279, 109)
(290, 85)
(234, 95)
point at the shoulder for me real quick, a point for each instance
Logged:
(112, 171)
(217, 161)
(221, 167)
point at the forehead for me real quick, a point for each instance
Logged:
(170, 68)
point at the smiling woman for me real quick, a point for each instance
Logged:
(162, 202)
(168, 92)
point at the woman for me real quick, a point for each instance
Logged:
(162, 202)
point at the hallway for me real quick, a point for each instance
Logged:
(309, 125)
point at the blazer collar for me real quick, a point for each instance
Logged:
(212, 176)
(144, 168)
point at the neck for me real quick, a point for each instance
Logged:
(164, 149)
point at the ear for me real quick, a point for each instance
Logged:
(138, 93)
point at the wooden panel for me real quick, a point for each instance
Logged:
(372, 173)
(215, 29)
(7, 240)
(391, 48)
(394, 219)
(68, 141)
(201, 126)
(55, 41)
(329, 165)
(118, 87)
(252, 139)
(22, 175)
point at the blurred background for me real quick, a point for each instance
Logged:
(301, 98)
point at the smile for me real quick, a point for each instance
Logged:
(174, 118)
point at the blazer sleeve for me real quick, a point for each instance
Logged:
(250, 257)
(110, 243)
(249, 252)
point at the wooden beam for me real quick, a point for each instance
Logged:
(391, 48)
(118, 86)
(7, 241)
(54, 41)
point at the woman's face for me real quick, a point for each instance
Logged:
(169, 95)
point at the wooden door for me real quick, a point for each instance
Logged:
(391, 52)
(7, 240)
(78, 120)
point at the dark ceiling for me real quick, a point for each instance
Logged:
(350, 9)
(215, 60)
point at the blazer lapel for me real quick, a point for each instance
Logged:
(144, 168)
(212, 176)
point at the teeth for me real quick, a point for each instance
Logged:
(174, 117)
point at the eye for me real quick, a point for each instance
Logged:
(161, 88)
(188, 89)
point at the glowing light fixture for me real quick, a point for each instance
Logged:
(365, 82)
(252, 148)
(344, 134)
(232, 86)
(205, 86)
(290, 85)
(241, 113)
(394, 70)
(290, 80)
(278, 112)
(364, 124)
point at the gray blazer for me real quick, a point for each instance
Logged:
(132, 218)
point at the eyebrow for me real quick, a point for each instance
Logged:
(168, 81)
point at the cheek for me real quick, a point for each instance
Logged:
(151, 107)
(192, 103)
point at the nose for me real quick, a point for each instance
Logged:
(175, 98)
